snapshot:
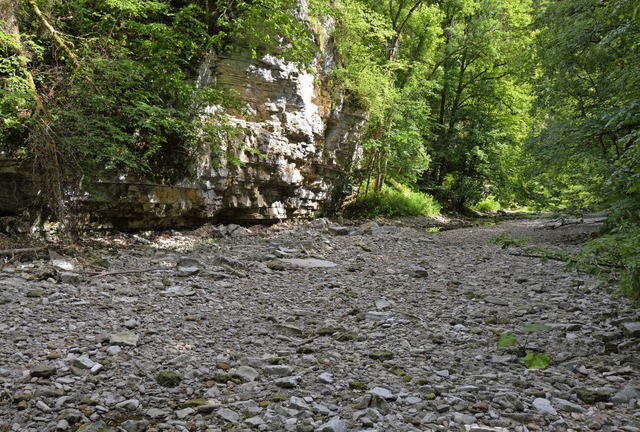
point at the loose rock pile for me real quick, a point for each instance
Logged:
(315, 327)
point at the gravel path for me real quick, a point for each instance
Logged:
(316, 327)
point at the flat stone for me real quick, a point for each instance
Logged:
(543, 406)
(326, 378)
(83, 362)
(124, 339)
(340, 230)
(44, 371)
(228, 415)
(184, 413)
(298, 403)
(463, 419)
(625, 395)
(333, 425)
(567, 406)
(255, 421)
(631, 329)
(184, 271)
(247, 373)
(113, 350)
(156, 413)
(43, 407)
(509, 401)
(135, 425)
(593, 396)
(309, 263)
(278, 370)
(129, 405)
(382, 392)
(498, 301)
(98, 426)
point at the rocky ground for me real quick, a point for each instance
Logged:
(316, 327)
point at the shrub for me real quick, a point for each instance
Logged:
(488, 204)
(617, 255)
(396, 201)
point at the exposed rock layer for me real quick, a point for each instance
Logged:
(294, 147)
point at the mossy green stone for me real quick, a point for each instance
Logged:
(225, 378)
(168, 378)
(398, 372)
(193, 403)
(381, 355)
(35, 293)
(43, 371)
(99, 426)
(430, 396)
(593, 396)
(276, 265)
(279, 398)
(357, 385)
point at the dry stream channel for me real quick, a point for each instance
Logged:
(315, 326)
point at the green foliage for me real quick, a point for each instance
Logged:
(506, 340)
(133, 102)
(614, 255)
(588, 110)
(537, 361)
(360, 36)
(395, 201)
(480, 100)
(488, 204)
(531, 360)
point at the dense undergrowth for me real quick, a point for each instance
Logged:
(393, 201)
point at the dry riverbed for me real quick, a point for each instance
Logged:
(315, 327)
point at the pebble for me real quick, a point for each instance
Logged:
(388, 328)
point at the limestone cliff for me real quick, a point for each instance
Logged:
(294, 148)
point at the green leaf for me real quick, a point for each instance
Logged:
(530, 328)
(537, 361)
(507, 340)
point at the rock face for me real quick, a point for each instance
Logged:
(294, 146)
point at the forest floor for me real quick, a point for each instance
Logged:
(314, 326)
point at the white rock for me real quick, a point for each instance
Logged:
(247, 373)
(83, 362)
(543, 406)
(326, 378)
(382, 392)
(43, 407)
(228, 415)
